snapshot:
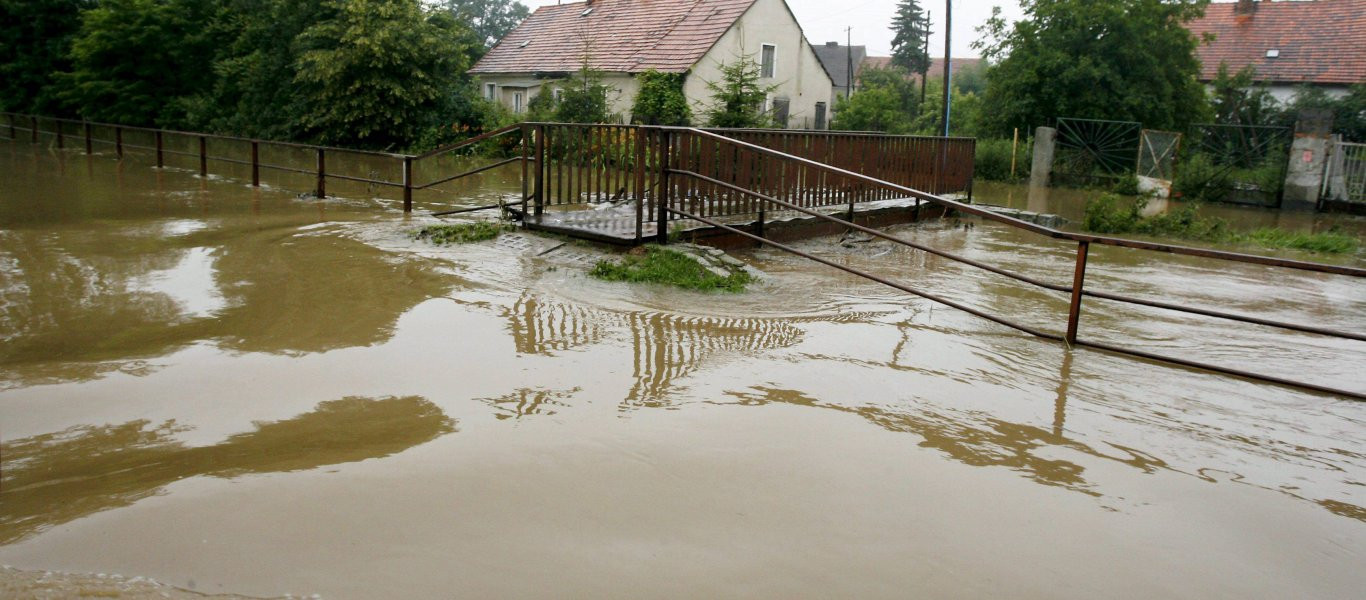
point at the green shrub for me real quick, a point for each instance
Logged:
(1112, 215)
(661, 265)
(992, 160)
(1127, 185)
(461, 233)
(660, 100)
(1198, 179)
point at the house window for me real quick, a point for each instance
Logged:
(781, 107)
(517, 102)
(766, 59)
(490, 90)
(558, 94)
(820, 115)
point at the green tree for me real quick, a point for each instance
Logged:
(1128, 60)
(489, 19)
(1349, 112)
(965, 112)
(378, 72)
(887, 101)
(660, 100)
(35, 43)
(137, 61)
(910, 27)
(583, 98)
(1237, 99)
(738, 99)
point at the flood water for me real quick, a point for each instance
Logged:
(243, 391)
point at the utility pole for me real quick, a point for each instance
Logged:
(849, 56)
(948, 61)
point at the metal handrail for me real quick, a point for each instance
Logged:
(1076, 291)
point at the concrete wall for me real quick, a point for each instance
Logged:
(797, 72)
(1042, 167)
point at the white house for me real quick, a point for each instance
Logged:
(1290, 44)
(622, 38)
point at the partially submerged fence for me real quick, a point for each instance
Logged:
(1076, 292)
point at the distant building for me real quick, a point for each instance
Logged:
(623, 38)
(1320, 43)
(842, 63)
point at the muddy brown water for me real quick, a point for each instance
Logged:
(243, 391)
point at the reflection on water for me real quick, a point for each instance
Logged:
(59, 477)
(667, 347)
(78, 303)
(526, 402)
(977, 440)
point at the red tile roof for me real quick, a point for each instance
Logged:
(1323, 41)
(617, 36)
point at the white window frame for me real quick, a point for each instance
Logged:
(490, 91)
(773, 70)
(517, 102)
(557, 94)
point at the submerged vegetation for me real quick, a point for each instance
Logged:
(671, 267)
(1110, 214)
(461, 233)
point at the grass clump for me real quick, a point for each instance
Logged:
(1110, 214)
(670, 267)
(461, 233)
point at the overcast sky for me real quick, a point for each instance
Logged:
(825, 20)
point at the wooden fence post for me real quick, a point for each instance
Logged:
(88, 146)
(255, 163)
(662, 214)
(203, 157)
(640, 182)
(33, 122)
(12, 135)
(118, 141)
(61, 142)
(542, 165)
(161, 158)
(526, 157)
(322, 174)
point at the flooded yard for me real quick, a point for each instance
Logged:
(237, 390)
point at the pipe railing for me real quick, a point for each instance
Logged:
(1076, 291)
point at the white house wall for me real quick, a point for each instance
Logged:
(797, 72)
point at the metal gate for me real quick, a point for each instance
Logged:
(1346, 177)
(1244, 164)
(1095, 152)
(1157, 154)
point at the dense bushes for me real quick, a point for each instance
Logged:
(992, 160)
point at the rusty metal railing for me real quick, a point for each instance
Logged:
(666, 205)
(206, 148)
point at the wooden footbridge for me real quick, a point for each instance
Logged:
(631, 184)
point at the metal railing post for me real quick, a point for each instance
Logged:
(88, 147)
(662, 213)
(407, 184)
(203, 157)
(118, 141)
(255, 163)
(322, 175)
(1078, 279)
(161, 158)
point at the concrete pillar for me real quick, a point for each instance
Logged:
(1308, 159)
(1044, 139)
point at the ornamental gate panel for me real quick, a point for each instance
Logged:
(1095, 152)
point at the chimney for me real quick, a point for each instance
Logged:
(1245, 7)
(832, 44)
